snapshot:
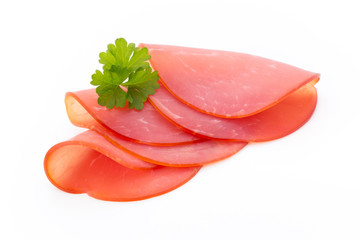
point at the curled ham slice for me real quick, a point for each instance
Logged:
(89, 164)
(145, 126)
(275, 122)
(225, 84)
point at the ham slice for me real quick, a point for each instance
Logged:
(225, 84)
(275, 122)
(89, 164)
(145, 126)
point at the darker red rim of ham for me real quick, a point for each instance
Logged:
(183, 155)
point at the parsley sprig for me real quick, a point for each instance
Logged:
(126, 76)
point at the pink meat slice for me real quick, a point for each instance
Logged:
(85, 164)
(225, 84)
(275, 122)
(146, 126)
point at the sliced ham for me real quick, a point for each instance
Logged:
(89, 164)
(145, 126)
(206, 97)
(225, 84)
(275, 122)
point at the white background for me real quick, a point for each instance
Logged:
(304, 186)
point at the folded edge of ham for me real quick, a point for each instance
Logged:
(89, 164)
(182, 155)
(225, 84)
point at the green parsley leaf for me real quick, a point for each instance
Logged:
(111, 96)
(141, 84)
(126, 77)
(139, 58)
(135, 98)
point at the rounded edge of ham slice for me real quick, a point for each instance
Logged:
(225, 84)
(278, 121)
(183, 155)
(147, 126)
(75, 166)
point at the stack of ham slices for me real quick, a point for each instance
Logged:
(210, 104)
